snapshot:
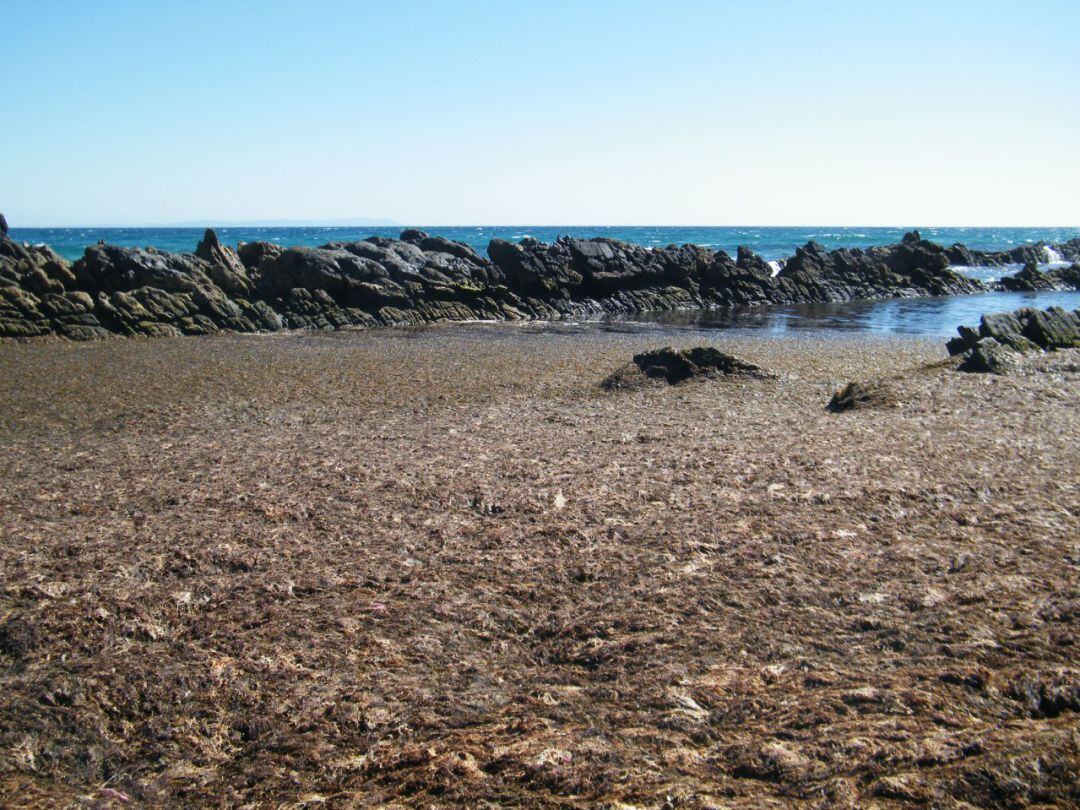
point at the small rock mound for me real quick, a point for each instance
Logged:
(1002, 337)
(859, 395)
(678, 365)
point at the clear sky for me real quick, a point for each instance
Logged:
(548, 112)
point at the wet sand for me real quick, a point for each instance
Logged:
(443, 567)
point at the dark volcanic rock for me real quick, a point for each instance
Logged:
(3, 225)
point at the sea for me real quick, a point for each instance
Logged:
(924, 316)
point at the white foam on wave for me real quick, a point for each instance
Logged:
(987, 274)
(1052, 256)
(776, 267)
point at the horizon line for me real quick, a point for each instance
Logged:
(198, 224)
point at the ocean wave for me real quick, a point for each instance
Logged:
(1052, 256)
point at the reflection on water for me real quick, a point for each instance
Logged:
(910, 316)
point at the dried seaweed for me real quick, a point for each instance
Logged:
(358, 569)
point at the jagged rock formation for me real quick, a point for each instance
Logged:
(994, 347)
(420, 278)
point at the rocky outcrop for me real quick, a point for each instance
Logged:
(420, 278)
(914, 267)
(604, 274)
(382, 282)
(145, 291)
(1001, 337)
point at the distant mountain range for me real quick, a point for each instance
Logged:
(357, 222)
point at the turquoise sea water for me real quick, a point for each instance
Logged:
(922, 316)
(771, 243)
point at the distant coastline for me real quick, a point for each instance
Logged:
(345, 222)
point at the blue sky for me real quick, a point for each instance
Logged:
(586, 112)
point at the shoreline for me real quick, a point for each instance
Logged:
(421, 279)
(846, 319)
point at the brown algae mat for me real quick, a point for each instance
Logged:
(443, 567)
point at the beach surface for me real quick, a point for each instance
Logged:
(443, 567)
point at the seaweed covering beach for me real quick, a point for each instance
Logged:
(444, 567)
